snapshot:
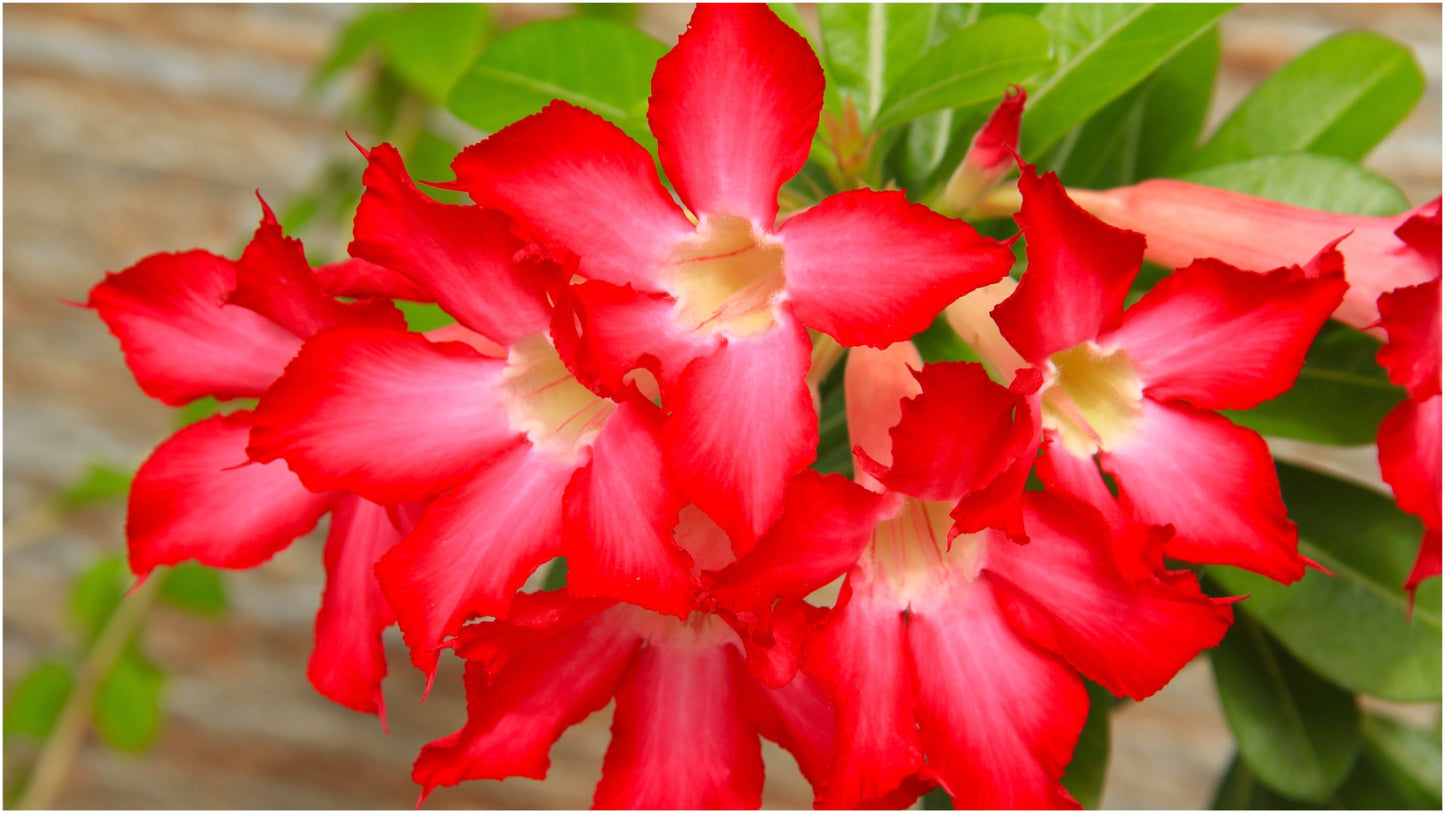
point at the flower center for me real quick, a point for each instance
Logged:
(725, 277)
(1091, 398)
(910, 552)
(547, 402)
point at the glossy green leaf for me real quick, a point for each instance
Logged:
(195, 588)
(598, 64)
(1314, 181)
(973, 65)
(1298, 733)
(1084, 776)
(1340, 397)
(1240, 789)
(1341, 98)
(939, 342)
(96, 594)
(430, 45)
(128, 703)
(868, 45)
(1102, 50)
(1352, 627)
(35, 703)
(101, 482)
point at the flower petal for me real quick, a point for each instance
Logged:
(1409, 442)
(179, 340)
(875, 382)
(797, 717)
(1214, 482)
(1411, 317)
(871, 268)
(1223, 338)
(580, 183)
(462, 255)
(197, 497)
(1078, 274)
(385, 414)
(743, 422)
(357, 278)
(734, 107)
(474, 548)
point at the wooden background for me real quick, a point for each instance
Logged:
(135, 129)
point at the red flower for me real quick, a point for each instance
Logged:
(714, 299)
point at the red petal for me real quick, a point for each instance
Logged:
(734, 107)
(620, 515)
(179, 340)
(1223, 338)
(1409, 442)
(837, 253)
(1411, 317)
(198, 498)
(1427, 563)
(742, 424)
(358, 278)
(475, 547)
(551, 682)
(875, 382)
(583, 184)
(680, 739)
(998, 717)
(797, 717)
(1214, 482)
(385, 414)
(1066, 593)
(1078, 274)
(462, 255)
(349, 661)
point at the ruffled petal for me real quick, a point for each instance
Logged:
(743, 422)
(875, 382)
(348, 662)
(680, 739)
(385, 414)
(734, 107)
(798, 717)
(1214, 482)
(581, 183)
(1223, 338)
(475, 547)
(179, 340)
(1079, 271)
(998, 717)
(620, 512)
(1411, 317)
(197, 497)
(1065, 592)
(1409, 442)
(358, 278)
(870, 268)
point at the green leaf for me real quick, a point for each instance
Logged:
(625, 13)
(195, 588)
(1240, 789)
(1298, 733)
(1351, 628)
(101, 482)
(1340, 397)
(974, 65)
(598, 64)
(355, 38)
(835, 452)
(1341, 98)
(868, 45)
(127, 704)
(1084, 776)
(430, 157)
(1313, 181)
(1412, 756)
(939, 342)
(937, 799)
(37, 699)
(422, 317)
(556, 577)
(430, 45)
(95, 596)
(1102, 50)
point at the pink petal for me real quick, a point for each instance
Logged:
(742, 424)
(1222, 338)
(734, 107)
(358, 278)
(197, 497)
(581, 183)
(1066, 593)
(179, 340)
(680, 739)
(798, 717)
(385, 414)
(875, 382)
(475, 547)
(1214, 482)
(620, 513)
(1409, 445)
(349, 661)
(1078, 274)
(462, 255)
(998, 717)
(1411, 317)
(871, 268)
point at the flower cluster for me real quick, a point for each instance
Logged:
(627, 385)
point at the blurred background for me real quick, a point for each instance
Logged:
(132, 129)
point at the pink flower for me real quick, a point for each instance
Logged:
(715, 299)
(990, 155)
